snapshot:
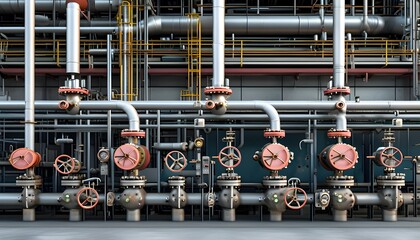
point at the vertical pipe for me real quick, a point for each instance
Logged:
(218, 43)
(413, 18)
(73, 40)
(322, 12)
(30, 74)
(339, 43)
(109, 65)
(126, 41)
(146, 56)
(373, 7)
(353, 7)
(158, 152)
(365, 15)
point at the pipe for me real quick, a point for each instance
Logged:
(264, 106)
(133, 118)
(30, 74)
(17, 6)
(274, 25)
(218, 43)
(126, 58)
(182, 146)
(339, 44)
(13, 199)
(73, 39)
(85, 30)
(365, 16)
(192, 105)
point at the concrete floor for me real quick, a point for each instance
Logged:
(405, 229)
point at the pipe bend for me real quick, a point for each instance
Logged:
(131, 112)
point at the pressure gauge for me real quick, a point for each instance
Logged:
(103, 155)
(199, 142)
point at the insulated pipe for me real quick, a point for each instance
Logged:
(275, 25)
(218, 43)
(30, 74)
(73, 39)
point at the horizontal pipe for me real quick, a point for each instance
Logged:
(85, 30)
(275, 25)
(228, 71)
(17, 6)
(182, 146)
(13, 199)
(242, 116)
(283, 71)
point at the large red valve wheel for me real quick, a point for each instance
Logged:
(127, 157)
(390, 157)
(339, 157)
(87, 198)
(275, 156)
(145, 156)
(291, 198)
(230, 157)
(23, 158)
(321, 158)
(64, 164)
(175, 161)
(38, 159)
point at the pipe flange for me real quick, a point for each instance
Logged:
(333, 133)
(126, 133)
(217, 90)
(83, 4)
(66, 90)
(274, 133)
(335, 91)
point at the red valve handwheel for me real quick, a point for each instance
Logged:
(175, 161)
(23, 158)
(127, 157)
(87, 198)
(391, 157)
(64, 164)
(230, 157)
(341, 156)
(291, 198)
(275, 156)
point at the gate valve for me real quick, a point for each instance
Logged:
(229, 157)
(175, 161)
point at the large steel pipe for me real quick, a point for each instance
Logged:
(277, 25)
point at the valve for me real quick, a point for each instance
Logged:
(24, 158)
(87, 198)
(230, 157)
(175, 161)
(275, 156)
(390, 157)
(292, 200)
(339, 157)
(65, 164)
(130, 156)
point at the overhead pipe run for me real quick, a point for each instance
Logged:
(276, 25)
(17, 6)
